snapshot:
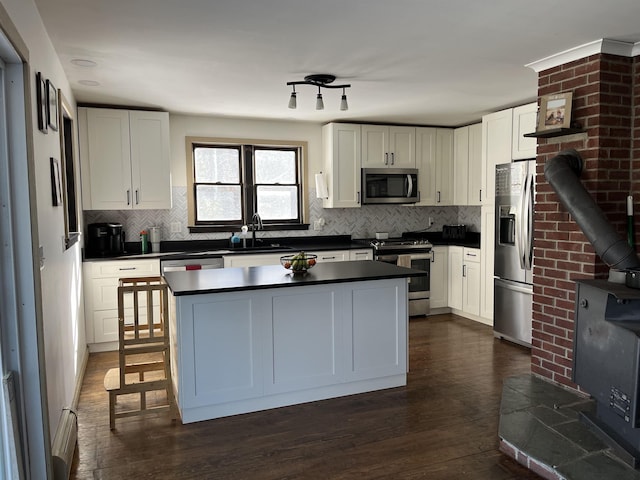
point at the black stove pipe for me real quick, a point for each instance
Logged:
(562, 173)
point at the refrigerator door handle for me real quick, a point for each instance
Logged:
(514, 286)
(520, 228)
(527, 222)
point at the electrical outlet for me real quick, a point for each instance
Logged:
(430, 221)
(318, 224)
(175, 227)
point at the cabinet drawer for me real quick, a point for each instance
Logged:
(125, 268)
(333, 256)
(471, 255)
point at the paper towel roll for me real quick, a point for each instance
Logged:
(321, 186)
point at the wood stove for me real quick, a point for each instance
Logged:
(606, 362)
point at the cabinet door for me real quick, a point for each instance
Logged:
(496, 149)
(471, 288)
(460, 166)
(341, 150)
(474, 192)
(375, 146)
(524, 121)
(150, 160)
(444, 166)
(426, 163)
(487, 239)
(106, 172)
(456, 262)
(439, 277)
(402, 147)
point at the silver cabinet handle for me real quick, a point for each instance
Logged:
(386, 159)
(480, 196)
(328, 258)
(128, 197)
(393, 158)
(464, 270)
(137, 197)
(358, 198)
(438, 197)
(126, 268)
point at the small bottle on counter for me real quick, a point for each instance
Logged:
(144, 241)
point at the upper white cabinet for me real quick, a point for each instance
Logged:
(434, 159)
(341, 145)
(125, 159)
(467, 161)
(524, 121)
(388, 146)
(496, 149)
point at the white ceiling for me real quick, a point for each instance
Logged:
(430, 62)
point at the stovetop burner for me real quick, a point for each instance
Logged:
(401, 243)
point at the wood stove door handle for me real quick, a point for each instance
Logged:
(584, 303)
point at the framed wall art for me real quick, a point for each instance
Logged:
(555, 111)
(41, 100)
(56, 183)
(52, 106)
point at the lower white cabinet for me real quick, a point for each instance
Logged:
(439, 277)
(464, 280)
(361, 254)
(257, 260)
(101, 297)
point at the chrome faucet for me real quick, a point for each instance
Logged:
(256, 224)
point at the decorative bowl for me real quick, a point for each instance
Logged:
(298, 263)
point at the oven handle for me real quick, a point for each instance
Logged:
(393, 258)
(387, 258)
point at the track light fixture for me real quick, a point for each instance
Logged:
(320, 80)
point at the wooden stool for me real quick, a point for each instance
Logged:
(144, 356)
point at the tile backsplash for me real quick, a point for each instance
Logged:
(357, 222)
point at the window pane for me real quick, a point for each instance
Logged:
(275, 166)
(277, 203)
(216, 164)
(218, 203)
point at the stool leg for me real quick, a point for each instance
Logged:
(112, 410)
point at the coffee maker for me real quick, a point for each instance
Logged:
(105, 240)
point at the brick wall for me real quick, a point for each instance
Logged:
(603, 98)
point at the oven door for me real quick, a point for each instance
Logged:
(419, 287)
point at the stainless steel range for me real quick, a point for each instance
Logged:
(412, 254)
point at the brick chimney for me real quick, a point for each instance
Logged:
(606, 103)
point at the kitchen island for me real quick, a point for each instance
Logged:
(253, 338)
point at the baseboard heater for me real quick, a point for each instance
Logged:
(64, 444)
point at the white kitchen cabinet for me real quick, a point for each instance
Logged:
(434, 159)
(496, 149)
(125, 159)
(361, 254)
(332, 255)
(471, 281)
(388, 146)
(456, 265)
(341, 145)
(464, 280)
(101, 297)
(487, 245)
(467, 170)
(439, 277)
(524, 121)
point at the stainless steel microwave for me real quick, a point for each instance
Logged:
(390, 185)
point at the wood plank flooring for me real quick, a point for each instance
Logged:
(442, 425)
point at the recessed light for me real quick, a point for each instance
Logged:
(89, 83)
(82, 62)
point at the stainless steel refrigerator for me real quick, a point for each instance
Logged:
(513, 275)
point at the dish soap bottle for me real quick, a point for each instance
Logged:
(144, 241)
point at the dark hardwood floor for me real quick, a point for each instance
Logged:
(442, 425)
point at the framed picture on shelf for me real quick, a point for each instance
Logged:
(555, 111)
(56, 183)
(41, 99)
(52, 106)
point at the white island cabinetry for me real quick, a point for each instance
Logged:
(242, 350)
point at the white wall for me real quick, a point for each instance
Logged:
(62, 306)
(193, 126)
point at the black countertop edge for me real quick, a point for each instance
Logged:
(173, 248)
(238, 279)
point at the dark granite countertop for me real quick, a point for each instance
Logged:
(284, 245)
(275, 276)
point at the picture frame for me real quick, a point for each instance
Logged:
(52, 106)
(56, 183)
(41, 100)
(555, 111)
